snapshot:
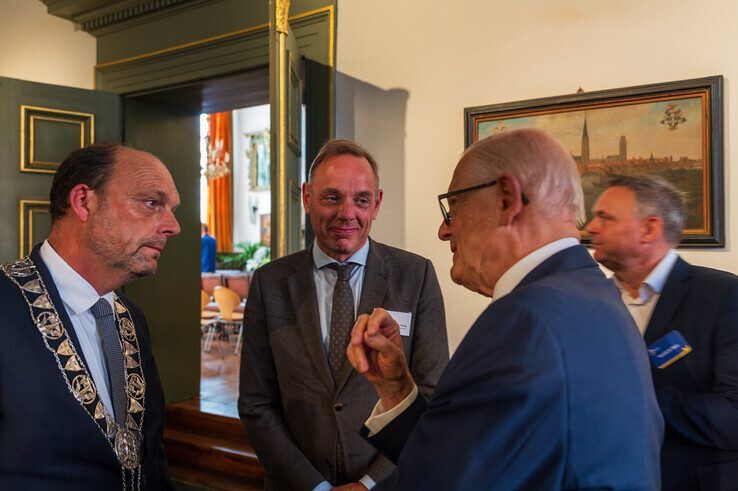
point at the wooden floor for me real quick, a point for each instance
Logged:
(219, 380)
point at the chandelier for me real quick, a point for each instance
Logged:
(218, 160)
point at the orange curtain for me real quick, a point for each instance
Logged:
(220, 212)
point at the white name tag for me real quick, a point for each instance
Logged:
(403, 319)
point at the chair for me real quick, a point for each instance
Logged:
(227, 301)
(209, 282)
(239, 283)
(206, 315)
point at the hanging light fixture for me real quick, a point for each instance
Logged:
(218, 160)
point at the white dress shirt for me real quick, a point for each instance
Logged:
(325, 281)
(507, 283)
(78, 296)
(649, 292)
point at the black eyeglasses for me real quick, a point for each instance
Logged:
(441, 197)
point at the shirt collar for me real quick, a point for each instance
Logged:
(75, 291)
(656, 279)
(513, 276)
(321, 259)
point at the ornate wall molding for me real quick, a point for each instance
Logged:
(95, 18)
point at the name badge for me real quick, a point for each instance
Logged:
(668, 349)
(403, 319)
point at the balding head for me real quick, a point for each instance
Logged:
(547, 173)
(510, 194)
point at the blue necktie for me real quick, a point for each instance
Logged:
(105, 320)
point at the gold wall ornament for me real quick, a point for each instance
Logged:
(33, 217)
(30, 115)
(84, 388)
(282, 15)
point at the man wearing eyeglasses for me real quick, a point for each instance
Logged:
(301, 403)
(550, 388)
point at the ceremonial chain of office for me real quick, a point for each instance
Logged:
(126, 441)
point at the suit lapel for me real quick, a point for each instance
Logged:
(305, 304)
(667, 306)
(372, 295)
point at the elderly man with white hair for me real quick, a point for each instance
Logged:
(551, 387)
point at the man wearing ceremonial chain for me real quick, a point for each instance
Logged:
(81, 403)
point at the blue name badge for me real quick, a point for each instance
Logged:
(668, 349)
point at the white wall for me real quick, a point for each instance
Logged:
(246, 223)
(39, 47)
(449, 55)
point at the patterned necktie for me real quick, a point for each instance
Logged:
(342, 317)
(105, 320)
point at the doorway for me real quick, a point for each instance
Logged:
(235, 212)
(218, 135)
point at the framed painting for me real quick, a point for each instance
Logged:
(257, 153)
(673, 129)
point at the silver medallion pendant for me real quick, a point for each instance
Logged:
(128, 448)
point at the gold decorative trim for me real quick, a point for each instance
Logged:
(29, 207)
(281, 23)
(282, 75)
(25, 114)
(220, 37)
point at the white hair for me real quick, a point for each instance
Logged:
(547, 173)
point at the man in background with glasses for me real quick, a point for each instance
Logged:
(550, 388)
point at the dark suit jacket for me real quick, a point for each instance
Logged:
(292, 410)
(47, 440)
(550, 389)
(698, 394)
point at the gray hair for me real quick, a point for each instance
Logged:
(547, 173)
(338, 147)
(655, 196)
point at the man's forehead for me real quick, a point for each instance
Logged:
(615, 197)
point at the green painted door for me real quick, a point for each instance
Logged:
(285, 97)
(165, 126)
(41, 124)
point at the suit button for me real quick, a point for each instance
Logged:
(337, 406)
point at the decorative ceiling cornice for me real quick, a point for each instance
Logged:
(96, 15)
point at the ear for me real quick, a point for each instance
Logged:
(377, 204)
(306, 196)
(652, 229)
(511, 197)
(82, 200)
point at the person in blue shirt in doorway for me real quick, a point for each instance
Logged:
(207, 251)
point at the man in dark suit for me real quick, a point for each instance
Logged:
(300, 402)
(550, 388)
(81, 404)
(637, 223)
